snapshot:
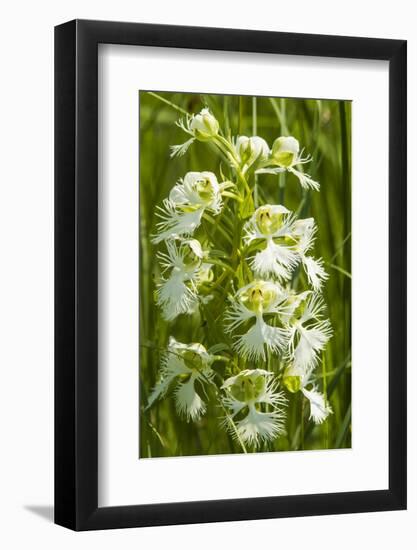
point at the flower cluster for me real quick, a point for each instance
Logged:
(252, 263)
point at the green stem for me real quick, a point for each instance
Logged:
(340, 247)
(281, 186)
(240, 126)
(280, 115)
(226, 115)
(326, 424)
(229, 418)
(232, 196)
(227, 149)
(221, 264)
(254, 132)
(341, 270)
(243, 180)
(218, 227)
(283, 108)
(176, 107)
(219, 280)
(344, 428)
(302, 423)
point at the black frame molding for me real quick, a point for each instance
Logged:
(76, 270)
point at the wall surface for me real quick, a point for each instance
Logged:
(26, 289)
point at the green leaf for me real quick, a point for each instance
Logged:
(247, 207)
(218, 347)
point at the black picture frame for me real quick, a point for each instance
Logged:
(76, 272)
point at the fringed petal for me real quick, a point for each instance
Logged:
(175, 297)
(252, 344)
(311, 342)
(180, 150)
(319, 409)
(275, 260)
(188, 403)
(315, 272)
(176, 222)
(305, 180)
(236, 315)
(258, 426)
(171, 367)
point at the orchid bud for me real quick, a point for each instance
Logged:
(292, 378)
(285, 151)
(251, 149)
(204, 126)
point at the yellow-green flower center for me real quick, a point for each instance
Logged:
(268, 222)
(258, 297)
(189, 257)
(284, 158)
(205, 190)
(247, 388)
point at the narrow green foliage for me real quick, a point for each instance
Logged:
(245, 274)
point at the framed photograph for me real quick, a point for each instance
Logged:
(230, 248)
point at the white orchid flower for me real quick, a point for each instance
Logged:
(185, 365)
(178, 293)
(253, 302)
(188, 200)
(272, 224)
(309, 333)
(304, 232)
(251, 150)
(295, 379)
(319, 409)
(256, 407)
(292, 304)
(203, 127)
(285, 156)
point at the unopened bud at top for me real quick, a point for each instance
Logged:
(204, 126)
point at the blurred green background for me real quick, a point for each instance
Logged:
(323, 128)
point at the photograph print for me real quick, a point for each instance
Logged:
(244, 274)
